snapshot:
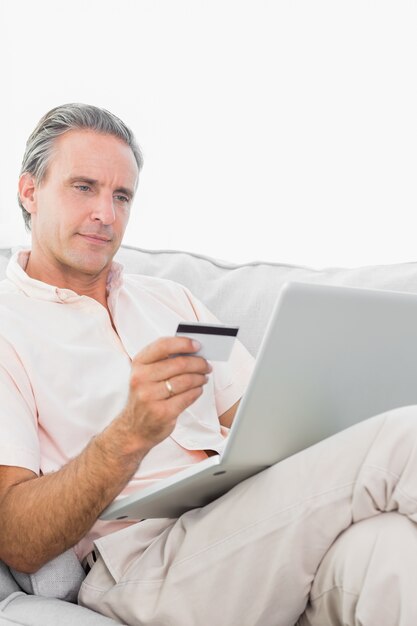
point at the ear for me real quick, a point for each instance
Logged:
(27, 192)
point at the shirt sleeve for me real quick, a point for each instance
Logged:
(231, 377)
(19, 443)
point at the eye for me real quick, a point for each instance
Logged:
(122, 198)
(83, 187)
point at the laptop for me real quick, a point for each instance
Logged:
(330, 357)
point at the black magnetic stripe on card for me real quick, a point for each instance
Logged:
(206, 330)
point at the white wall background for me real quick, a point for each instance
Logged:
(276, 130)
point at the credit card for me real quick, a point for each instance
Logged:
(216, 340)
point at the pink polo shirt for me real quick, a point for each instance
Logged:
(64, 373)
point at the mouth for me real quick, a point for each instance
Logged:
(96, 239)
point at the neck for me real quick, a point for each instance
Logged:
(58, 275)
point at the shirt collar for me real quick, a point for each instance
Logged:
(16, 273)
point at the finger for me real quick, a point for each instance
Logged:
(175, 366)
(165, 347)
(181, 384)
(182, 401)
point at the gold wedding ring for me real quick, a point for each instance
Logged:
(169, 388)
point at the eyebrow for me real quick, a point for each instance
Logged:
(94, 182)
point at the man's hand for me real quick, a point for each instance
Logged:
(53, 512)
(154, 405)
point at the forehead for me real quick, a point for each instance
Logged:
(92, 154)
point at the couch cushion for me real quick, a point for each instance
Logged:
(60, 578)
(245, 294)
(7, 583)
(25, 610)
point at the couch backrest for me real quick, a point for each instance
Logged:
(4, 257)
(245, 294)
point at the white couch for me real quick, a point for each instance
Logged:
(242, 294)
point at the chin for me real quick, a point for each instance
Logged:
(92, 263)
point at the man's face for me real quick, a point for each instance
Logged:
(81, 208)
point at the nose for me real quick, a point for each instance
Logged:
(103, 209)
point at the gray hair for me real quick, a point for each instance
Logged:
(61, 119)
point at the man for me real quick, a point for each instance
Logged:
(93, 407)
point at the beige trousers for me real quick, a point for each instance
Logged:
(277, 544)
(368, 577)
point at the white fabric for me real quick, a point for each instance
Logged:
(60, 578)
(23, 610)
(241, 294)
